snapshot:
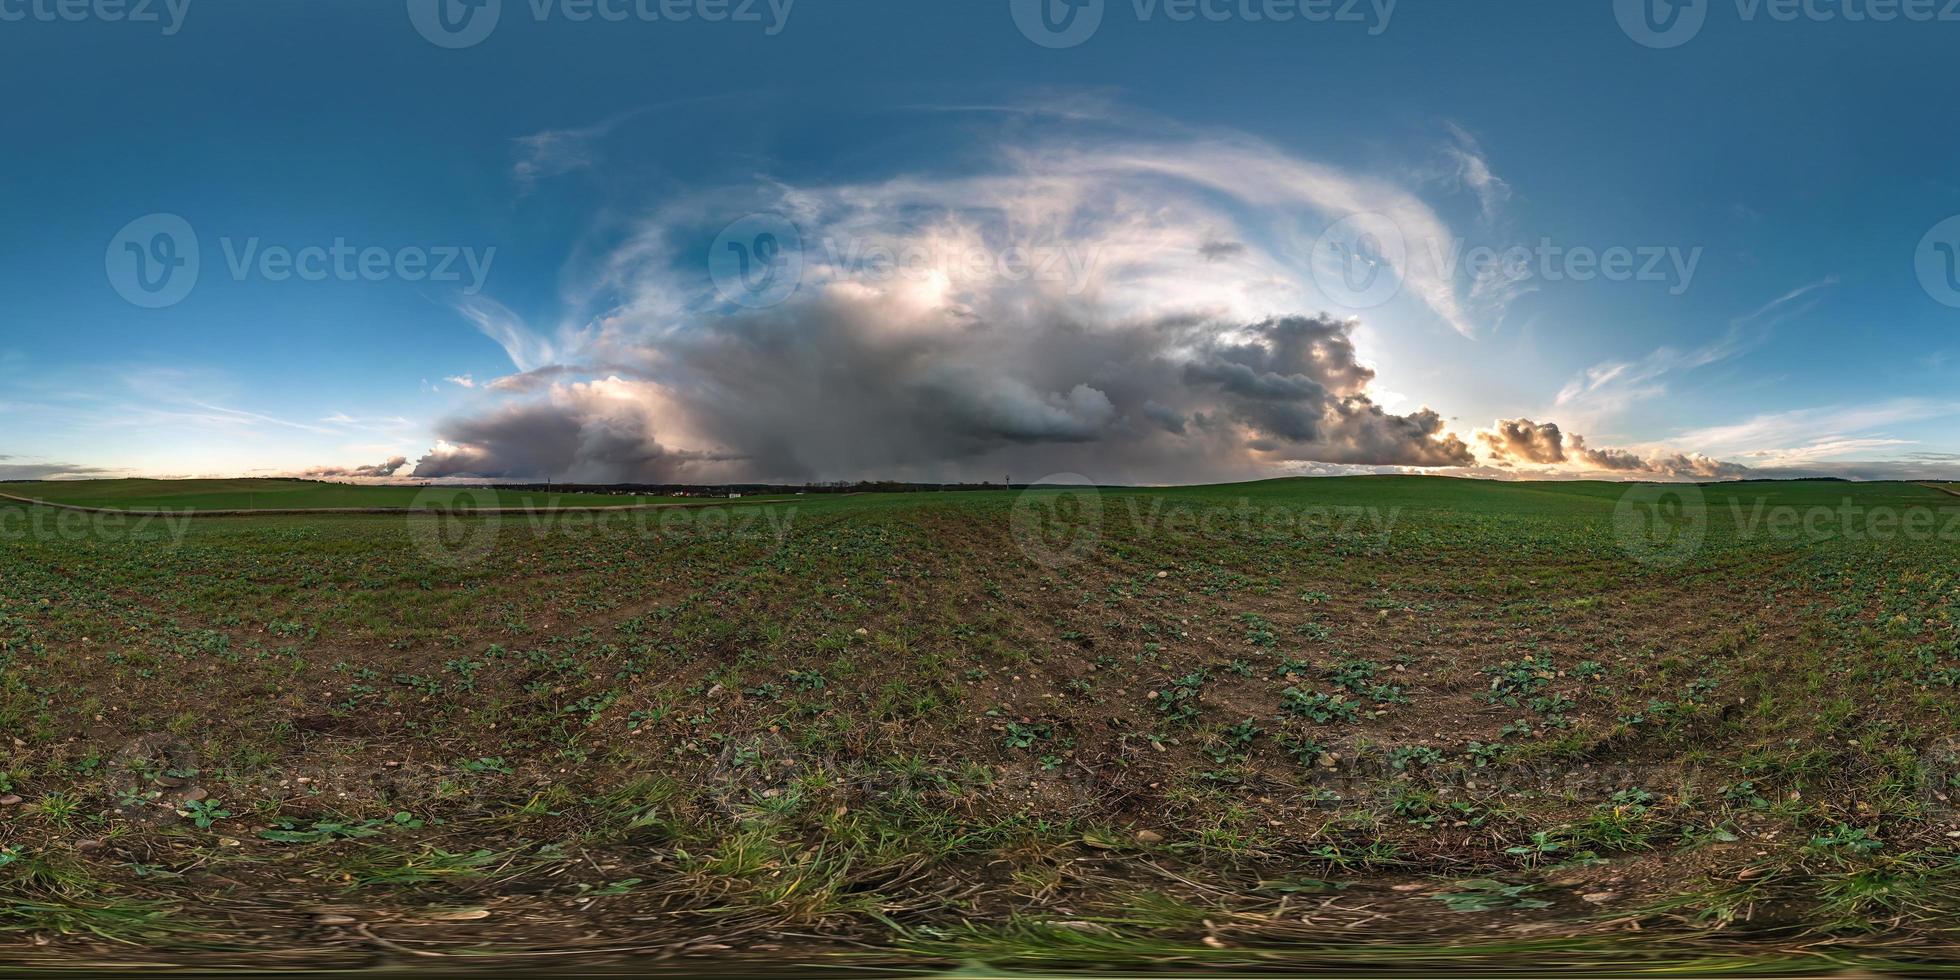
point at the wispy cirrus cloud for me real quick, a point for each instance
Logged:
(1610, 388)
(1469, 168)
(555, 152)
(1807, 434)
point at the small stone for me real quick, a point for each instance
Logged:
(861, 631)
(334, 920)
(1751, 874)
(1597, 898)
(9, 800)
(1149, 837)
(88, 846)
(1163, 575)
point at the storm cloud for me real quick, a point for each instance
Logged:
(845, 385)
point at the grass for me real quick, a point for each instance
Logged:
(1285, 721)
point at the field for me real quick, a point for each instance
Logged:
(1398, 722)
(287, 494)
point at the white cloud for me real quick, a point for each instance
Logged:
(1472, 171)
(1608, 389)
(555, 152)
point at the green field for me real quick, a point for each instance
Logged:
(278, 494)
(1400, 723)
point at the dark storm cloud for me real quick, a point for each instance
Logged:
(845, 386)
(595, 433)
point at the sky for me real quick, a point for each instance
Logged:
(1145, 241)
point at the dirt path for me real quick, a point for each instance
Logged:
(406, 511)
(1935, 486)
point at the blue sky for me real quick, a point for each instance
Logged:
(1152, 223)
